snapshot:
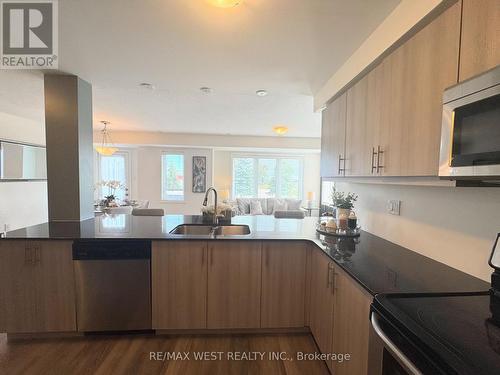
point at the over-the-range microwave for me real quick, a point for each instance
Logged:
(470, 133)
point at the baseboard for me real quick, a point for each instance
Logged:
(42, 335)
(233, 331)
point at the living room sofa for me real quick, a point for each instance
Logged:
(280, 208)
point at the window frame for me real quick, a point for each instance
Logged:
(173, 152)
(128, 171)
(277, 157)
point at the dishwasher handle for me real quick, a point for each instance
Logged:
(402, 358)
(111, 249)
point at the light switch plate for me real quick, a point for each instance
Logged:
(394, 207)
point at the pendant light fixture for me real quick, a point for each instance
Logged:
(106, 148)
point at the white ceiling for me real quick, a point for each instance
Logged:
(288, 47)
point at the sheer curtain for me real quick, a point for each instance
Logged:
(114, 168)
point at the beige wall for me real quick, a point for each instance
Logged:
(223, 171)
(22, 120)
(148, 179)
(456, 226)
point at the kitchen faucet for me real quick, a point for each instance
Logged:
(205, 202)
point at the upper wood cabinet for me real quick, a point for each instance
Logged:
(283, 284)
(368, 132)
(179, 284)
(333, 138)
(38, 286)
(480, 46)
(394, 112)
(429, 64)
(356, 126)
(234, 284)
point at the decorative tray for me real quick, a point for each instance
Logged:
(340, 232)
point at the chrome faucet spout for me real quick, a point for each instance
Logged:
(205, 202)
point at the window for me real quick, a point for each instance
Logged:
(114, 168)
(172, 168)
(267, 177)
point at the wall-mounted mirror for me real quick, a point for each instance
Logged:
(22, 162)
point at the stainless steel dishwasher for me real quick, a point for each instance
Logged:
(113, 285)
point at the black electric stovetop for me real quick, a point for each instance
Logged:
(450, 334)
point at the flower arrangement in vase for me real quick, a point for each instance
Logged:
(223, 210)
(113, 186)
(343, 202)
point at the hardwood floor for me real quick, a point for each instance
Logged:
(131, 355)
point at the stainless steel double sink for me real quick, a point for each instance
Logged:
(211, 230)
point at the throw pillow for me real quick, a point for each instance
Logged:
(280, 205)
(255, 208)
(293, 204)
(243, 205)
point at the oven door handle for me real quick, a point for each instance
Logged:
(392, 347)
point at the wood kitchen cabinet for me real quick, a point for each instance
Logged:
(356, 127)
(321, 312)
(179, 284)
(480, 44)
(393, 115)
(234, 284)
(423, 67)
(351, 326)
(283, 284)
(333, 138)
(38, 285)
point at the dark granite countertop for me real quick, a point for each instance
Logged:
(378, 265)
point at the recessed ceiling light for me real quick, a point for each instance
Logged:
(280, 130)
(206, 90)
(225, 3)
(146, 85)
(261, 92)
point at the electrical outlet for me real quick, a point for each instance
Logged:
(394, 207)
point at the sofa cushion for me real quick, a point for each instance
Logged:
(280, 205)
(243, 205)
(270, 205)
(289, 214)
(263, 204)
(293, 204)
(256, 207)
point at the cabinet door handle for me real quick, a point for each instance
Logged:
(211, 256)
(202, 256)
(267, 256)
(379, 153)
(38, 256)
(340, 169)
(330, 275)
(334, 283)
(374, 153)
(28, 255)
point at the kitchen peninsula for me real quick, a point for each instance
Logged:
(281, 277)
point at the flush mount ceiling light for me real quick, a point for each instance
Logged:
(225, 3)
(206, 90)
(280, 130)
(146, 86)
(106, 148)
(261, 92)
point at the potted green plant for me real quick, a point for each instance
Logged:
(343, 202)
